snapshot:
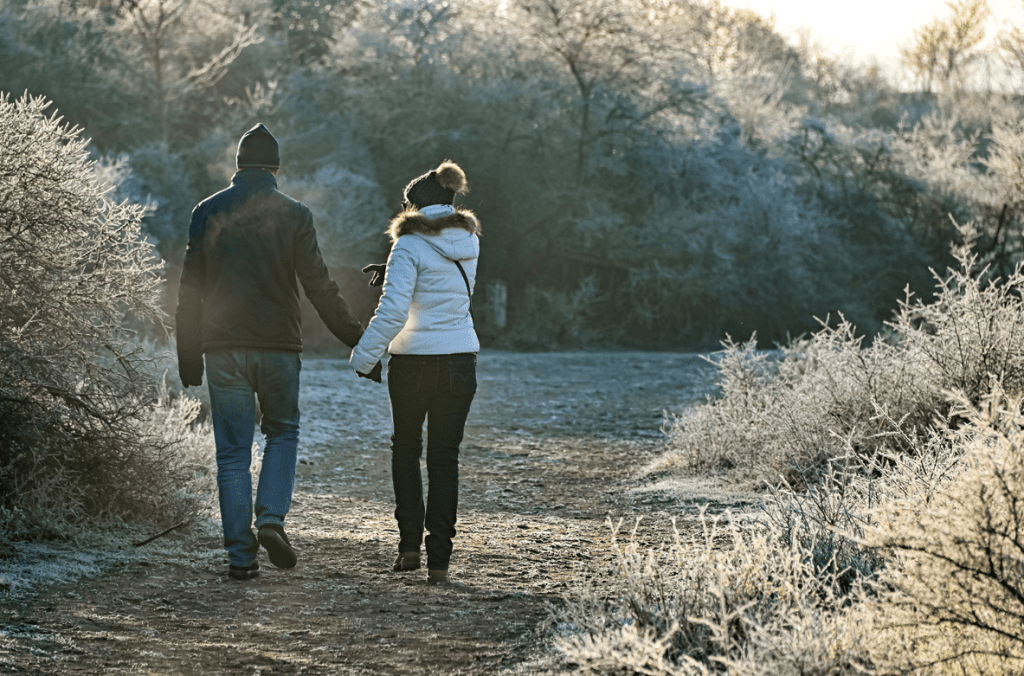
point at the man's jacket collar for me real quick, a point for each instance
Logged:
(254, 179)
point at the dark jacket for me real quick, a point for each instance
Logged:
(246, 246)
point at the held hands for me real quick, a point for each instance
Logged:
(373, 375)
(191, 372)
(378, 274)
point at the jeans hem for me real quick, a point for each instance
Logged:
(269, 520)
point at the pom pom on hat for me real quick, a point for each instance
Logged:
(439, 186)
(451, 177)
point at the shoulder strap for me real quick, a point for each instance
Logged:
(465, 278)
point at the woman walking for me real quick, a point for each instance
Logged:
(423, 320)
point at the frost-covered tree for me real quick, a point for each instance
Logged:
(626, 60)
(618, 144)
(186, 47)
(308, 28)
(573, 117)
(48, 48)
(73, 270)
(1011, 49)
(942, 52)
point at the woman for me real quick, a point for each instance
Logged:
(423, 320)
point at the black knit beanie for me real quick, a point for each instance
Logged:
(439, 186)
(258, 149)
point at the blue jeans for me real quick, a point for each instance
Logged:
(234, 377)
(440, 389)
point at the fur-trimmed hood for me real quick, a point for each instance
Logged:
(412, 221)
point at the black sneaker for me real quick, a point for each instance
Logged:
(274, 540)
(244, 572)
(407, 561)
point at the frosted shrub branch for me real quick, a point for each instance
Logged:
(787, 415)
(75, 392)
(892, 535)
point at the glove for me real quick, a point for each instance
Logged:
(374, 373)
(191, 372)
(378, 275)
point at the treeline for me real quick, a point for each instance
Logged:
(649, 173)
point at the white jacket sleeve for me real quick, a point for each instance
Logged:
(392, 310)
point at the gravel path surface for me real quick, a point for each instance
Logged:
(552, 449)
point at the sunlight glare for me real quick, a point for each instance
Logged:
(868, 31)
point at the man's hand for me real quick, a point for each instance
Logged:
(374, 373)
(191, 372)
(378, 274)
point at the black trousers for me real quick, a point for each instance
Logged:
(438, 389)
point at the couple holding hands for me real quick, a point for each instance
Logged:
(249, 248)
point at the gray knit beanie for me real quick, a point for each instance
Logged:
(258, 149)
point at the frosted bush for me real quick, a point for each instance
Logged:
(895, 473)
(183, 447)
(729, 598)
(935, 523)
(952, 602)
(787, 415)
(81, 440)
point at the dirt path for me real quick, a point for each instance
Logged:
(551, 451)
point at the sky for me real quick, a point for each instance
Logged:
(867, 31)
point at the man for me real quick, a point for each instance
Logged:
(239, 305)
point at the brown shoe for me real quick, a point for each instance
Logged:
(407, 561)
(439, 577)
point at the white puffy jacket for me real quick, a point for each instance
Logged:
(425, 306)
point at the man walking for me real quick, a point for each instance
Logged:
(239, 305)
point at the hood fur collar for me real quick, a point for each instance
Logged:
(412, 221)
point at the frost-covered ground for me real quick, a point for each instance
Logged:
(552, 451)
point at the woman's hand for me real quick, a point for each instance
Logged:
(374, 373)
